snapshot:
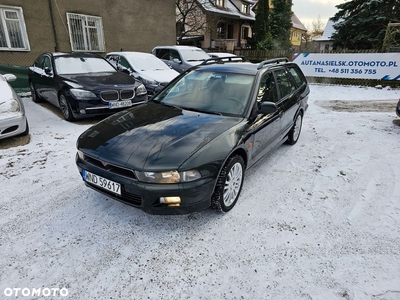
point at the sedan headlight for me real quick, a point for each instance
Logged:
(10, 106)
(168, 176)
(82, 94)
(141, 90)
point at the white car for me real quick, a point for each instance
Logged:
(147, 68)
(13, 120)
(226, 56)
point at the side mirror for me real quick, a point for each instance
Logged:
(177, 60)
(48, 71)
(267, 108)
(10, 77)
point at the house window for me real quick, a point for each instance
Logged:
(220, 3)
(245, 8)
(221, 30)
(13, 35)
(86, 33)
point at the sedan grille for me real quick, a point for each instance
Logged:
(109, 95)
(110, 168)
(127, 94)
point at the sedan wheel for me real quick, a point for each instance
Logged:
(65, 108)
(34, 95)
(229, 184)
(294, 133)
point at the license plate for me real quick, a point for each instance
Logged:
(102, 182)
(119, 104)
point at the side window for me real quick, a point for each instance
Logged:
(39, 62)
(124, 64)
(297, 75)
(47, 63)
(267, 90)
(162, 53)
(174, 55)
(284, 84)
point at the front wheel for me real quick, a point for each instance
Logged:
(65, 108)
(294, 133)
(229, 184)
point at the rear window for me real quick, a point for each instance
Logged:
(297, 75)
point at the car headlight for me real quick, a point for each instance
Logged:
(82, 94)
(168, 176)
(141, 90)
(10, 106)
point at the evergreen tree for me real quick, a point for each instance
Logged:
(281, 23)
(362, 24)
(262, 36)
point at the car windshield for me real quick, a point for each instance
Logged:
(81, 65)
(147, 63)
(194, 54)
(209, 92)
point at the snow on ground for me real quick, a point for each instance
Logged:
(318, 220)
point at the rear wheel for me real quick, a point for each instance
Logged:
(294, 133)
(34, 95)
(229, 184)
(65, 108)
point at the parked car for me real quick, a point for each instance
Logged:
(180, 58)
(13, 120)
(188, 147)
(398, 108)
(83, 85)
(145, 67)
(226, 56)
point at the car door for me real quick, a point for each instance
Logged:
(288, 97)
(267, 128)
(48, 84)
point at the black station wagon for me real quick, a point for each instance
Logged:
(187, 148)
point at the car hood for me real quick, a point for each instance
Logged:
(160, 75)
(152, 137)
(104, 79)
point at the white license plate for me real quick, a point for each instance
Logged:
(119, 104)
(104, 183)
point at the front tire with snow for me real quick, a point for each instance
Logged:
(229, 184)
(294, 133)
(65, 108)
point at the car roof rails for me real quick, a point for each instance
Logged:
(272, 61)
(222, 60)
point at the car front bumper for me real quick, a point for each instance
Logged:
(195, 195)
(12, 125)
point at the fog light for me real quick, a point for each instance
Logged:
(82, 111)
(171, 201)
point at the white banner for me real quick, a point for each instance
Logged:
(383, 66)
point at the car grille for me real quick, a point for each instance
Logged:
(115, 95)
(110, 167)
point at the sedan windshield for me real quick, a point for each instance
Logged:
(81, 65)
(210, 92)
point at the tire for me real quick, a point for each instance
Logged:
(294, 133)
(34, 95)
(65, 108)
(229, 184)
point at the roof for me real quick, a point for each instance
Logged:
(297, 23)
(328, 32)
(231, 11)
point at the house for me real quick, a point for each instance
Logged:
(227, 23)
(29, 28)
(325, 42)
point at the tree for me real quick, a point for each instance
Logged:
(190, 19)
(262, 35)
(318, 28)
(281, 23)
(362, 24)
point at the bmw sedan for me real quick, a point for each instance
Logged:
(188, 148)
(13, 120)
(83, 85)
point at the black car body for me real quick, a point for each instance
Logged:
(83, 85)
(398, 108)
(188, 148)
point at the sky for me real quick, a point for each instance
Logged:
(309, 10)
(319, 220)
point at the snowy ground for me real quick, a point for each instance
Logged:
(319, 220)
